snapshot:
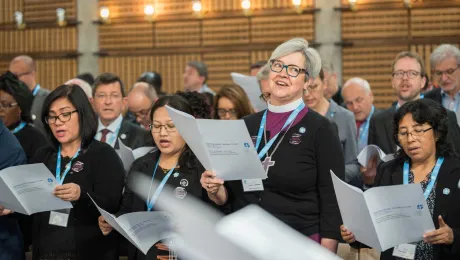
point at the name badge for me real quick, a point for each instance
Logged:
(406, 251)
(252, 185)
(59, 218)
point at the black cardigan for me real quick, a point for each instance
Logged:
(101, 175)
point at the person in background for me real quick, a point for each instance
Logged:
(141, 98)
(256, 67)
(426, 157)
(315, 99)
(232, 103)
(196, 76)
(333, 91)
(83, 167)
(109, 101)
(262, 77)
(299, 189)
(154, 79)
(83, 85)
(24, 68)
(173, 162)
(198, 102)
(86, 77)
(11, 241)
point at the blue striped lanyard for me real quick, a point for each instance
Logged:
(434, 175)
(113, 137)
(160, 188)
(67, 167)
(19, 127)
(36, 89)
(288, 122)
(364, 129)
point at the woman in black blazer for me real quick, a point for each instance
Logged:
(420, 129)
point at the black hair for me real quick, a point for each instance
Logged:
(187, 158)
(198, 102)
(258, 65)
(20, 92)
(86, 116)
(153, 79)
(108, 78)
(425, 111)
(87, 77)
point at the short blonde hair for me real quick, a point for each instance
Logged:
(312, 58)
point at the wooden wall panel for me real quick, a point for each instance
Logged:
(435, 22)
(177, 34)
(38, 40)
(225, 31)
(42, 10)
(130, 68)
(7, 9)
(372, 24)
(4, 64)
(270, 30)
(51, 73)
(126, 36)
(260, 55)
(220, 65)
(374, 65)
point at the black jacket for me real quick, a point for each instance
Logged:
(133, 136)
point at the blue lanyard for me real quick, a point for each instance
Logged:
(364, 130)
(19, 127)
(269, 144)
(160, 188)
(36, 89)
(67, 168)
(434, 175)
(113, 137)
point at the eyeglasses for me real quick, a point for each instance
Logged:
(416, 133)
(265, 97)
(439, 73)
(222, 112)
(412, 74)
(5, 105)
(311, 88)
(23, 74)
(64, 117)
(292, 70)
(104, 96)
(156, 128)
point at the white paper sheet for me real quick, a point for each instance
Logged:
(386, 216)
(142, 229)
(221, 145)
(126, 155)
(373, 150)
(141, 151)
(250, 84)
(28, 189)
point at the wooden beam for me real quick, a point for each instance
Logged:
(399, 40)
(397, 6)
(36, 25)
(42, 55)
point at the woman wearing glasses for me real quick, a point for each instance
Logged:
(83, 167)
(174, 164)
(232, 103)
(15, 103)
(300, 145)
(420, 129)
(315, 99)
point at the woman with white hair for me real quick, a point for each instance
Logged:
(297, 146)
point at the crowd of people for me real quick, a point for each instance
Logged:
(311, 126)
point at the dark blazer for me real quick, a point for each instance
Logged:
(435, 95)
(381, 130)
(36, 109)
(134, 136)
(390, 173)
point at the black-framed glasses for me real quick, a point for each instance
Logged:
(449, 72)
(222, 112)
(6, 105)
(111, 96)
(265, 97)
(292, 70)
(23, 74)
(63, 117)
(416, 133)
(412, 74)
(156, 128)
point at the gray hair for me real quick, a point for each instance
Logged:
(83, 85)
(327, 66)
(443, 52)
(147, 89)
(364, 84)
(312, 58)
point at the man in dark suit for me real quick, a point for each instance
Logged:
(109, 99)
(24, 67)
(407, 81)
(445, 64)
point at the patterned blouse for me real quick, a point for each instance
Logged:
(424, 251)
